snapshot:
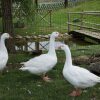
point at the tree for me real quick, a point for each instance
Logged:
(24, 7)
(66, 3)
(7, 20)
(6, 6)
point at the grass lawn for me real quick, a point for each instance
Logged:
(18, 85)
(58, 19)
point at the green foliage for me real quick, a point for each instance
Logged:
(19, 57)
(24, 9)
(34, 24)
(59, 19)
(17, 85)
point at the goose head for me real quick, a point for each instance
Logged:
(5, 36)
(55, 34)
(64, 47)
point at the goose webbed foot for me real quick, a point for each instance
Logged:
(75, 93)
(46, 78)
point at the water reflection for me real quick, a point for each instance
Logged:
(42, 46)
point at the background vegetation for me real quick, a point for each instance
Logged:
(34, 24)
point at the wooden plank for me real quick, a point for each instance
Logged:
(38, 38)
(86, 13)
(86, 27)
(89, 33)
(91, 23)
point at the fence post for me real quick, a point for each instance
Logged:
(50, 17)
(81, 24)
(66, 3)
(68, 22)
(37, 46)
(36, 3)
(36, 43)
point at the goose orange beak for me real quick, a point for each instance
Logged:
(10, 37)
(60, 35)
(59, 47)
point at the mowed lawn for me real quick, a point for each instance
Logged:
(18, 85)
(59, 19)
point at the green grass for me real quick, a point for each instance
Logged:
(18, 85)
(92, 5)
(58, 19)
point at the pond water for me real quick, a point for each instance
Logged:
(42, 45)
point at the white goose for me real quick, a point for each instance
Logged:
(3, 51)
(77, 76)
(42, 64)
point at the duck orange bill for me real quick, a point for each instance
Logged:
(59, 47)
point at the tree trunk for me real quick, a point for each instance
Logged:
(36, 3)
(66, 3)
(0, 8)
(7, 22)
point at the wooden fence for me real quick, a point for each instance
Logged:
(55, 4)
(34, 43)
(84, 24)
(82, 20)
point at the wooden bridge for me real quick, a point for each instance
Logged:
(23, 43)
(89, 33)
(81, 27)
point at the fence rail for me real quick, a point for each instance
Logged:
(86, 27)
(50, 5)
(82, 22)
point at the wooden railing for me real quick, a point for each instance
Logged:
(82, 20)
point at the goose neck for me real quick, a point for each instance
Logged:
(68, 61)
(52, 46)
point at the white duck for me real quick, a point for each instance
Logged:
(79, 77)
(42, 64)
(3, 51)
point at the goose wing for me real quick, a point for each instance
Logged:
(3, 59)
(40, 61)
(85, 78)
